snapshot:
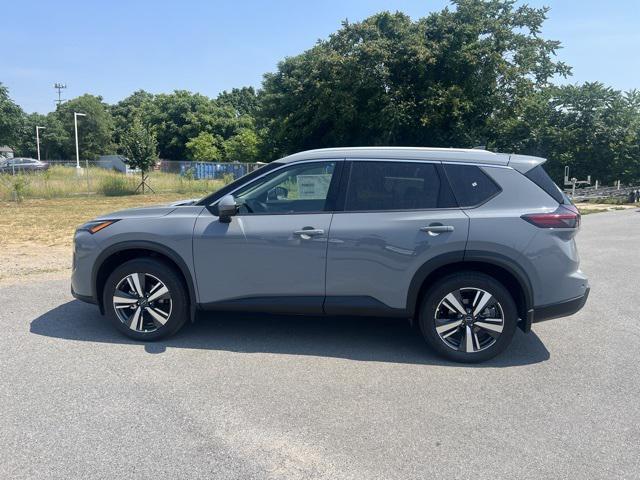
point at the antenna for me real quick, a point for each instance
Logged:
(59, 87)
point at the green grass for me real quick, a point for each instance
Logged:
(65, 182)
(116, 186)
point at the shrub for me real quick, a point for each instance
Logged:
(14, 187)
(20, 186)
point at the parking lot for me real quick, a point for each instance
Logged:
(246, 396)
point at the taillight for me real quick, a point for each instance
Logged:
(566, 216)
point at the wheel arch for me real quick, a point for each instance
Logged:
(117, 254)
(501, 268)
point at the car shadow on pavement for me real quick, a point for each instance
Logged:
(355, 338)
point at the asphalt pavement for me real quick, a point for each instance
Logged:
(247, 396)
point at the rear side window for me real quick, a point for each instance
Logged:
(542, 179)
(396, 186)
(470, 184)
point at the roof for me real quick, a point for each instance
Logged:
(404, 153)
(5, 148)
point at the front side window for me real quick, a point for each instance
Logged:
(396, 185)
(296, 189)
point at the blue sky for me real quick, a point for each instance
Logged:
(112, 48)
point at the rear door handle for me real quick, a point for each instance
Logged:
(309, 232)
(437, 229)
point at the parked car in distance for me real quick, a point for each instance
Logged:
(468, 244)
(22, 165)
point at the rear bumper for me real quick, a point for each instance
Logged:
(561, 309)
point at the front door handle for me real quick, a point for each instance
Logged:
(309, 232)
(436, 229)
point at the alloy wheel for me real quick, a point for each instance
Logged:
(142, 302)
(469, 320)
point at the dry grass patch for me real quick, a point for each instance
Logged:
(51, 222)
(586, 208)
(36, 235)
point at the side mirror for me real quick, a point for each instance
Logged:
(227, 208)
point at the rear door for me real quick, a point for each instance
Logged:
(397, 216)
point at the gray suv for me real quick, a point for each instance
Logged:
(467, 244)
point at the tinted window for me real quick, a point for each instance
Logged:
(538, 176)
(295, 189)
(208, 200)
(395, 186)
(470, 184)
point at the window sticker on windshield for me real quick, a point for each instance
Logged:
(313, 187)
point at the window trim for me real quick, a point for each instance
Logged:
(481, 167)
(344, 187)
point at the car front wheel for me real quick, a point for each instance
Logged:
(146, 299)
(468, 317)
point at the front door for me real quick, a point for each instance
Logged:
(272, 255)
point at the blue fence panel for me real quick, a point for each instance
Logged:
(210, 170)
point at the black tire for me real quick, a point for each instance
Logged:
(178, 309)
(431, 302)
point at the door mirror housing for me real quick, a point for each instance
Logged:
(227, 208)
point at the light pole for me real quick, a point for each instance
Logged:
(75, 124)
(38, 139)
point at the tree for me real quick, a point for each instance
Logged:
(54, 140)
(590, 128)
(25, 145)
(140, 104)
(244, 101)
(444, 80)
(181, 116)
(204, 147)
(95, 131)
(243, 147)
(140, 148)
(11, 119)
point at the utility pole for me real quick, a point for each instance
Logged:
(38, 139)
(59, 87)
(75, 124)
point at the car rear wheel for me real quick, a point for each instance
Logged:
(146, 299)
(468, 317)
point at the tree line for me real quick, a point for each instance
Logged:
(478, 73)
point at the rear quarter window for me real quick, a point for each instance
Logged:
(542, 179)
(471, 186)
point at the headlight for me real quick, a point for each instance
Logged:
(96, 225)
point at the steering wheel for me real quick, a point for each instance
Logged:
(246, 205)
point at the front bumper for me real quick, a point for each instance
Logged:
(561, 309)
(83, 298)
